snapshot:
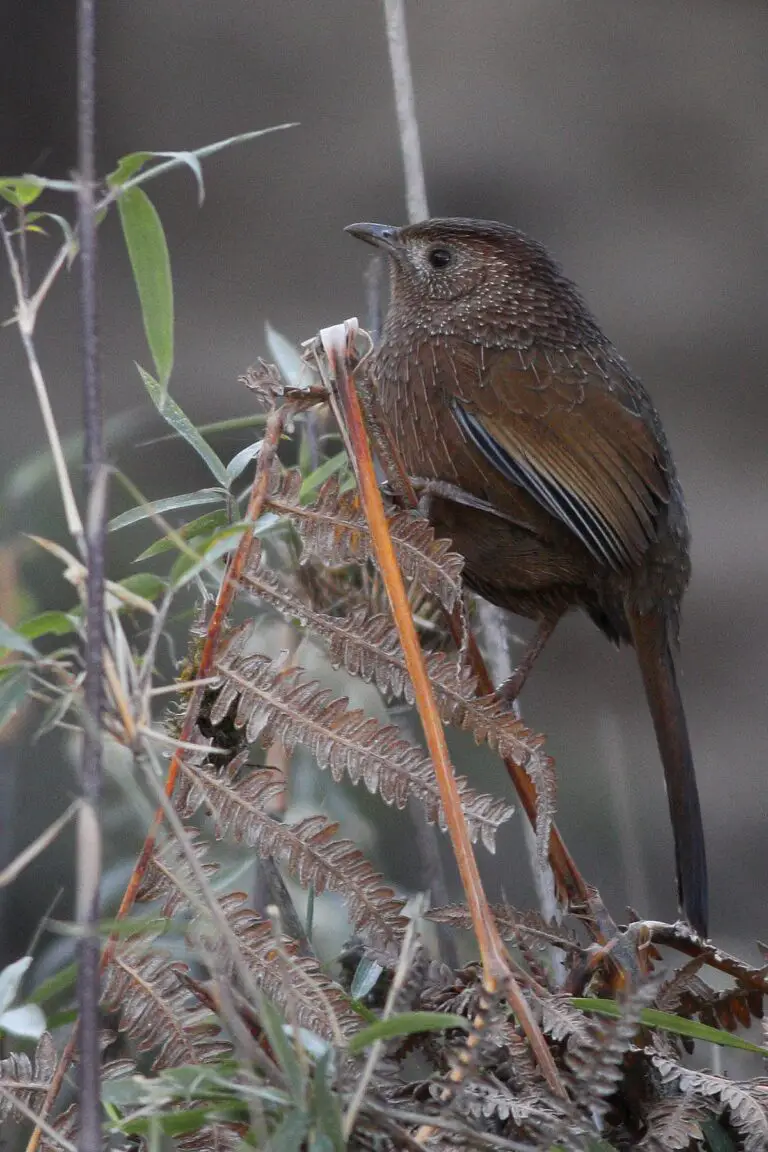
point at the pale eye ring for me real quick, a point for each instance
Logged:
(440, 257)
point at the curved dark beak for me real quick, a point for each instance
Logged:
(380, 235)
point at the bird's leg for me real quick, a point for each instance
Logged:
(511, 688)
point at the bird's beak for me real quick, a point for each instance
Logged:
(380, 235)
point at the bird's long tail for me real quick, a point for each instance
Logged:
(650, 636)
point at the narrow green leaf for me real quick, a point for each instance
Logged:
(185, 569)
(718, 1140)
(283, 1049)
(15, 642)
(13, 692)
(47, 624)
(653, 1018)
(180, 422)
(151, 264)
(328, 468)
(240, 462)
(61, 981)
(366, 976)
(288, 359)
(167, 504)
(199, 530)
(290, 1134)
(19, 191)
(326, 1111)
(128, 166)
(406, 1024)
(146, 584)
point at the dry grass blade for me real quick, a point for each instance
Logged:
(279, 703)
(334, 528)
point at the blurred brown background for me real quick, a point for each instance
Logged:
(632, 140)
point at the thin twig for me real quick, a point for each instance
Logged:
(89, 830)
(402, 82)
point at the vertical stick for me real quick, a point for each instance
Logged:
(89, 833)
(402, 82)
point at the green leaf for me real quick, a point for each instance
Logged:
(241, 461)
(19, 191)
(128, 166)
(283, 1049)
(328, 468)
(180, 422)
(288, 359)
(366, 976)
(326, 1111)
(405, 1024)
(47, 624)
(13, 692)
(167, 504)
(718, 1140)
(62, 981)
(290, 1134)
(653, 1018)
(15, 642)
(185, 569)
(199, 530)
(146, 584)
(148, 253)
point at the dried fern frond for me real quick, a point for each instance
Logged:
(315, 997)
(279, 703)
(334, 527)
(369, 647)
(26, 1079)
(674, 1125)
(530, 927)
(169, 876)
(596, 1062)
(307, 849)
(746, 1102)
(142, 986)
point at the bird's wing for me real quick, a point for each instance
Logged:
(580, 440)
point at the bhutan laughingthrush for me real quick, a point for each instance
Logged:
(543, 459)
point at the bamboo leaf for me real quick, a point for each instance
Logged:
(680, 1025)
(180, 422)
(167, 504)
(406, 1024)
(151, 265)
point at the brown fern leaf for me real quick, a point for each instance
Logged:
(26, 1079)
(153, 1006)
(688, 995)
(307, 849)
(334, 527)
(596, 1062)
(315, 998)
(278, 703)
(746, 1103)
(165, 871)
(369, 647)
(512, 925)
(674, 1125)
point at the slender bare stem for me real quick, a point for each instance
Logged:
(402, 82)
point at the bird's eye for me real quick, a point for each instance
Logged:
(440, 257)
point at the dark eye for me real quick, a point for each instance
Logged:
(440, 257)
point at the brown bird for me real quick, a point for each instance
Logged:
(544, 460)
